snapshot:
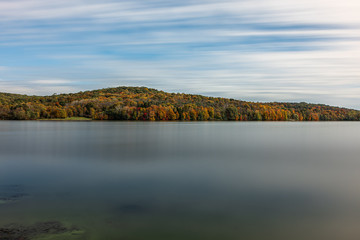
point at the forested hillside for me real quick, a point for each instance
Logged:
(141, 103)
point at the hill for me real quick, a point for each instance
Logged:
(141, 103)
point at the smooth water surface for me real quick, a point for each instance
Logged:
(185, 180)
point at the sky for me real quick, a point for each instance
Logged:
(254, 50)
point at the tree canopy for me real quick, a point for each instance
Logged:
(141, 103)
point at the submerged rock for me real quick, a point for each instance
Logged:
(131, 209)
(51, 230)
(11, 193)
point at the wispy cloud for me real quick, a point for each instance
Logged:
(260, 50)
(51, 81)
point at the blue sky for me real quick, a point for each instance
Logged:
(257, 50)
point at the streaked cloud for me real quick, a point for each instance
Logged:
(51, 81)
(259, 50)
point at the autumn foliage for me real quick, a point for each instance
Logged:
(141, 103)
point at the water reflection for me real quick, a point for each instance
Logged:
(215, 180)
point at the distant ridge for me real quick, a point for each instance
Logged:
(146, 104)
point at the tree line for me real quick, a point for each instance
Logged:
(141, 103)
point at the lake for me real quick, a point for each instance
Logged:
(182, 180)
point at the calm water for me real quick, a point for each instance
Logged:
(173, 180)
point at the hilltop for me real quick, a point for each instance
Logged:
(141, 103)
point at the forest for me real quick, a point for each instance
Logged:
(145, 104)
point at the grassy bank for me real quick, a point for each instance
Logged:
(68, 119)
